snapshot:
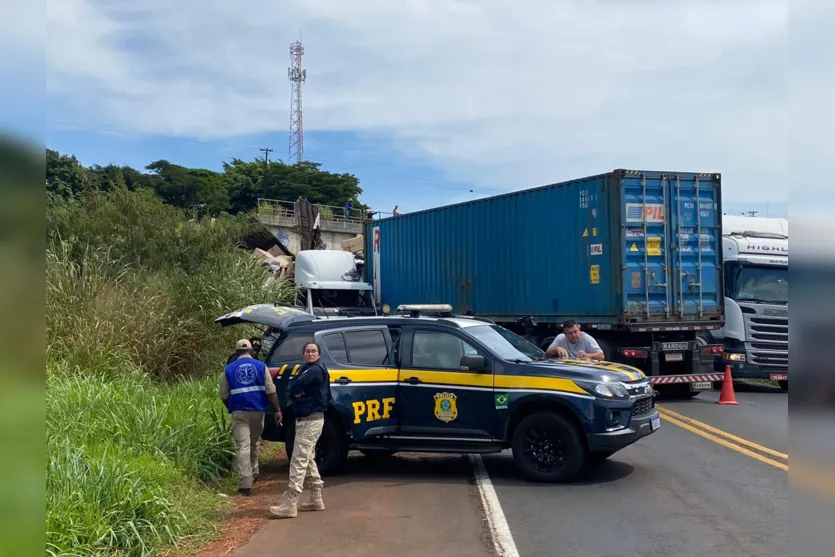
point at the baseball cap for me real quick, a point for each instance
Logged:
(243, 344)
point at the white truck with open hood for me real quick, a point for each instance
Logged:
(330, 284)
(756, 275)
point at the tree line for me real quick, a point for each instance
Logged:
(200, 191)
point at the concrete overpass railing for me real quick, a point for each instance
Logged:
(281, 217)
(284, 214)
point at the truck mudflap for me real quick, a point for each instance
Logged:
(705, 379)
(697, 378)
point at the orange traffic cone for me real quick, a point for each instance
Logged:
(727, 395)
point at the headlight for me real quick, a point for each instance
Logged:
(605, 390)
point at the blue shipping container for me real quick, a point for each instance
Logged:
(626, 247)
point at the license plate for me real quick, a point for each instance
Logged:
(674, 346)
(779, 376)
(674, 357)
(702, 386)
(655, 423)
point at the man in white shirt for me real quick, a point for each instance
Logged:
(573, 343)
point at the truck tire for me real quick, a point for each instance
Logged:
(546, 343)
(677, 391)
(784, 384)
(331, 449)
(547, 447)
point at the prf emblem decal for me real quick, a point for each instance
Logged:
(501, 401)
(446, 408)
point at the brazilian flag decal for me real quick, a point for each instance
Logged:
(501, 401)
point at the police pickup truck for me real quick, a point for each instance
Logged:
(412, 383)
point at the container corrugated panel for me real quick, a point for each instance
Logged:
(599, 248)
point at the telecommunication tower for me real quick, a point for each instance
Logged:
(297, 76)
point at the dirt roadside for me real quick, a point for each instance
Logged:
(407, 505)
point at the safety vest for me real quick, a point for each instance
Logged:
(247, 388)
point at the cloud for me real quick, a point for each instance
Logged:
(21, 28)
(499, 96)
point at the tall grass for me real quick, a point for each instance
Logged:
(103, 309)
(135, 430)
(120, 453)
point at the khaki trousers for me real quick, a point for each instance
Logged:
(246, 430)
(303, 469)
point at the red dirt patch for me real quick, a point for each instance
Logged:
(250, 514)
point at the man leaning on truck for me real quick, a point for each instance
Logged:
(573, 343)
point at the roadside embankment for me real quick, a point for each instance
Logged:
(137, 442)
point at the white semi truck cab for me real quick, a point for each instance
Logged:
(756, 273)
(330, 284)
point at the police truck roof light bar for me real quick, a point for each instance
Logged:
(415, 309)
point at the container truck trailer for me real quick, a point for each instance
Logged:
(634, 256)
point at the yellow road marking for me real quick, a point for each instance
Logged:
(725, 434)
(724, 443)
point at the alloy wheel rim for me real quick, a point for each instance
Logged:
(544, 448)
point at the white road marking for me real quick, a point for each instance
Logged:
(499, 530)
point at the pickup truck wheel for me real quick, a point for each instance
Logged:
(331, 449)
(784, 384)
(547, 447)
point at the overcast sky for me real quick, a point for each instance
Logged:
(434, 98)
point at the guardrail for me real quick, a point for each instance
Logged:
(287, 209)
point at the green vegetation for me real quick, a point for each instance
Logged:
(137, 441)
(122, 455)
(199, 191)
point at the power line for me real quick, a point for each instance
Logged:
(437, 183)
(266, 151)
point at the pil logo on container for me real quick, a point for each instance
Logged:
(638, 212)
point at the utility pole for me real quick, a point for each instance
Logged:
(297, 76)
(266, 151)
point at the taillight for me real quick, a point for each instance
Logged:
(633, 353)
(712, 350)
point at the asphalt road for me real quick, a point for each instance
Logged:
(675, 493)
(711, 482)
(409, 506)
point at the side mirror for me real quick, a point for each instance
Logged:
(476, 364)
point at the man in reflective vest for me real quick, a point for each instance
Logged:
(246, 389)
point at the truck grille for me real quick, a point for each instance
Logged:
(768, 344)
(643, 406)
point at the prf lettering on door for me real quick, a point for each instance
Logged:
(371, 410)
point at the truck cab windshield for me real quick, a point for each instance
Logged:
(505, 344)
(341, 298)
(768, 285)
